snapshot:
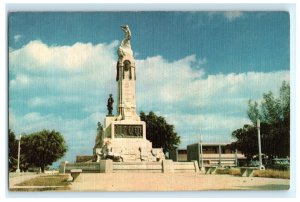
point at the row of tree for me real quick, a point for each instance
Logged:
(274, 113)
(38, 149)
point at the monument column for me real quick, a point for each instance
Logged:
(126, 77)
(123, 137)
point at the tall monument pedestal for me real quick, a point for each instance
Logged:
(123, 137)
(125, 141)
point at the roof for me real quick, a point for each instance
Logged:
(212, 143)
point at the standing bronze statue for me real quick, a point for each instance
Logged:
(110, 102)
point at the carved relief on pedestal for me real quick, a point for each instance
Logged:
(128, 131)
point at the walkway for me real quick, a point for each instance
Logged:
(173, 182)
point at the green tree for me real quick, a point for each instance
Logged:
(247, 142)
(42, 148)
(25, 154)
(274, 114)
(12, 150)
(159, 132)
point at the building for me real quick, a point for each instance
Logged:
(212, 154)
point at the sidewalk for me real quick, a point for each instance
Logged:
(173, 182)
(155, 182)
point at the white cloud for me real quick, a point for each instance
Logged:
(38, 56)
(214, 127)
(17, 37)
(66, 88)
(194, 101)
(52, 75)
(20, 80)
(36, 101)
(79, 133)
(166, 80)
(231, 15)
(202, 61)
(177, 82)
(12, 119)
(47, 101)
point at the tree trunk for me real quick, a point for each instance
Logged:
(43, 168)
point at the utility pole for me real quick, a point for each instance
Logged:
(19, 148)
(201, 152)
(261, 167)
(220, 158)
(236, 157)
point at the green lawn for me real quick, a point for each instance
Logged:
(284, 174)
(48, 181)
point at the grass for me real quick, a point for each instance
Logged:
(284, 174)
(228, 171)
(38, 189)
(46, 181)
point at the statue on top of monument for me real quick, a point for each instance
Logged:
(110, 102)
(125, 47)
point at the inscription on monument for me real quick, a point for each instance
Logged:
(128, 131)
(127, 92)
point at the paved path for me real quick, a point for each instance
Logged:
(173, 182)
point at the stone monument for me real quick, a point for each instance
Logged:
(123, 136)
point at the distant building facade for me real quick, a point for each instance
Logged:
(212, 154)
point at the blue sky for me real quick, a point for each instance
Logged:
(197, 69)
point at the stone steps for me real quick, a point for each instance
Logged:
(137, 167)
(127, 167)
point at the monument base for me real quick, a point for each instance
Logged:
(108, 166)
(125, 141)
(130, 150)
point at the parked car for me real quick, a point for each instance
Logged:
(253, 163)
(34, 169)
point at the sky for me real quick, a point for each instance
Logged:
(197, 69)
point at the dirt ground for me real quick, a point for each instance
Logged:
(173, 182)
